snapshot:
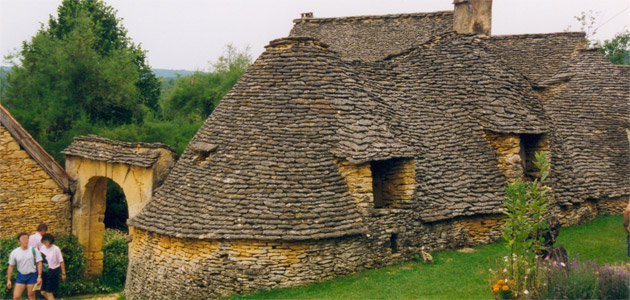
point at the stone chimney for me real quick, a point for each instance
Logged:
(473, 16)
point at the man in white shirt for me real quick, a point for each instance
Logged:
(29, 266)
(35, 240)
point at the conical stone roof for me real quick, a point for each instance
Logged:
(264, 164)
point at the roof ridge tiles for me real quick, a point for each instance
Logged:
(100, 139)
(537, 35)
(374, 17)
(297, 40)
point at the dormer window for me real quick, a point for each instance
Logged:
(202, 152)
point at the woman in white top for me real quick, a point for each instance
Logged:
(54, 258)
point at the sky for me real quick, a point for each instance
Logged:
(190, 34)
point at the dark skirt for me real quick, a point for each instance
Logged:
(51, 280)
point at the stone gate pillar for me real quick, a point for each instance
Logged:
(138, 168)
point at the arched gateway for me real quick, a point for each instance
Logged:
(137, 168)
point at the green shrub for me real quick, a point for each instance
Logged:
(6, 246)
(75, 262)
(115, 259)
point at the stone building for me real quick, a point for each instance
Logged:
(358, 141)
(33, 187)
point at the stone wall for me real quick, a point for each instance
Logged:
(158, 264)
(165, 267)
(91, 177)
(28, 195)
(508, 150)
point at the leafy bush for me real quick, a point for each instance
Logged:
(115, 259)
(6, 246)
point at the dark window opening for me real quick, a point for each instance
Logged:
(203, 152)
(393, 243)
(116, 209)
(202, 157)
(387, 181)
(530, 144)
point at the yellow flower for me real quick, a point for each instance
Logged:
(511, 281)
(505, 287)
(495, 288)
(500, 282)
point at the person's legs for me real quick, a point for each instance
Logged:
(18, 290)
(30, 292)
(48, 296)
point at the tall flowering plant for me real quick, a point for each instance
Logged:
(525, 226)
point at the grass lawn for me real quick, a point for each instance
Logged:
(456, 275)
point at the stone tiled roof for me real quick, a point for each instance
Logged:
(589, 104)
(371, 38)
(538, 56)
(103, 149)
(263, 165)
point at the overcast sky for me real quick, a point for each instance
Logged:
(187, 34)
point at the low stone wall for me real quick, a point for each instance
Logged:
(612, 206)
(165, 267)
(168, 267)
(28, 195)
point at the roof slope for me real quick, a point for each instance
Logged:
(538, 56)
(264, 170)
(450, 91)
(589, 104)
(371, 38)
(263, 165)
(34, 150)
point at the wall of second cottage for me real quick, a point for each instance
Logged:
(28, 195)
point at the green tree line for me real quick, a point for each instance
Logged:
(81, 74)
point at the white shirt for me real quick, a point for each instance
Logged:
(35, 240)
(24, 260)
(53, 256)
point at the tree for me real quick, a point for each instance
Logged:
(617, 49)
(110, 36)
(79, 72)
(194, 97)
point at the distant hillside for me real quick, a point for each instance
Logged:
(3, 71)
(166, 73)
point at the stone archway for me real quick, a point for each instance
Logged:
(138, 169)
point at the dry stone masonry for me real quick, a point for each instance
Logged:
(29, 194)
(138, 168)
(361, 141)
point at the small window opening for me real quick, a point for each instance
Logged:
(393, 243)
(201, 158)
(203, 152)
(389, 182)
(530, 144)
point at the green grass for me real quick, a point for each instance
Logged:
(455, 275)
(603, 240)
